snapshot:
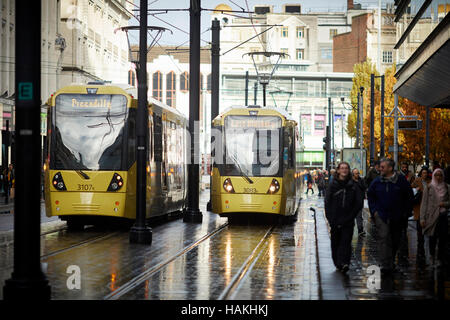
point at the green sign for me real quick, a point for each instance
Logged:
(25, 91)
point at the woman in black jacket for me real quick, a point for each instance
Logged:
(343, 200)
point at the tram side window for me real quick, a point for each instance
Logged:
(131, 151)
(157, 142)
(293, 146)
(288, 148)
(150, 139)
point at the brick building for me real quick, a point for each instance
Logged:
(361, 42)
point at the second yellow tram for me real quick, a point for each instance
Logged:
(255, 168)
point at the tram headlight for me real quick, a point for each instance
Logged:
(116, 182)
(274, 186)
(228, 186)
(58, 182)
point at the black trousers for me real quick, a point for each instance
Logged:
(440, 238)
(420, 243)
(341, 244)
(388, 242)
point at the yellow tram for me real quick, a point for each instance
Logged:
(90, 165)
(255, 168)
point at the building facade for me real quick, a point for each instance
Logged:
(79, 44)
(303, 81)
(361, 43)
(94, 47)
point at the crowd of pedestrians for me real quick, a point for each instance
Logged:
(394, 198)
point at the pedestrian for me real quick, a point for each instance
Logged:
(372, 173)
(419, 184)
(321, 184)
(309, 183)
(403, 248)
(8, 176)
(332, 174)
(390, 200)
(433, 215)
(343, 201)
(405, 171)
(359, 218)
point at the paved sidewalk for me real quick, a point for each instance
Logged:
(7, 221)
(409, 282)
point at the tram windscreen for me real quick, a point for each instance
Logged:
(88, 132)
(252, 146)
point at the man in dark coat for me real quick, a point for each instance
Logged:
(343, 201)
(390, 200)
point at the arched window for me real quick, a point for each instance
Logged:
(157, 86)
(184, 81)
(170, 89)
(132, 78)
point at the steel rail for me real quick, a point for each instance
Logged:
(143, 276)
(233, 287)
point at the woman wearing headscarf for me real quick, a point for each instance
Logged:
(433, 214)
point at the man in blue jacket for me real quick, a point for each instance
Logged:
(390, 200)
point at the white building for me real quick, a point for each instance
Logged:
(78, 45)
(95, 49)
(168, 78)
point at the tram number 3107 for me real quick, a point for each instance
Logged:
(85, 187)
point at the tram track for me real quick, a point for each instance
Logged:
(143, 276)
(232, 288)
(73, 246)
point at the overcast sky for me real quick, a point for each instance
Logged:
(181, 19)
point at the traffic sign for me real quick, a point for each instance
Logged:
(409, 124)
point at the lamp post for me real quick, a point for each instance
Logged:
(361, 116)
(372, 117)
(357, 122)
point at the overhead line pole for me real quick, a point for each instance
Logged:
(215, 87)
(28, 282)
(140, 232)
(192, 213)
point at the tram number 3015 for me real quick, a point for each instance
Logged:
(250, 190)
(85, 187)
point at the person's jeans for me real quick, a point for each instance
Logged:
(403, 246)
(341, 244)
(388, 241)
(360, 221)
(420, 243)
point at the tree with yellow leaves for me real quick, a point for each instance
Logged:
(413, 141)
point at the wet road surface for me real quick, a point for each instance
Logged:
(217, 260)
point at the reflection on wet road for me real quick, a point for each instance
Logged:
(217, 260)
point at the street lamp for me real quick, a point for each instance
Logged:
(353, 108)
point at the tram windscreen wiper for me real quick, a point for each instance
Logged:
(84, 175)
(240, 169)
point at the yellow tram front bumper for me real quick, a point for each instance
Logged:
(87, 203)
(242, 202)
